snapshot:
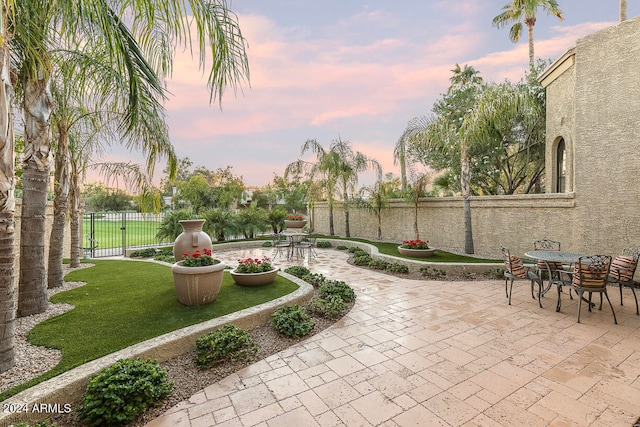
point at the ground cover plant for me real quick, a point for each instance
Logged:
(118, 295)
(122, 391)
(227, 343)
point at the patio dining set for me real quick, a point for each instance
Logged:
(294, 243)
(585, 274)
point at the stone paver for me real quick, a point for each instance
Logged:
(437, 353)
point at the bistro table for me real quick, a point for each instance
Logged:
(295, 237)
(566, 258)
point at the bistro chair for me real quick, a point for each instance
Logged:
(280, 243)
(514, 270)
(308, 243)
(623, 268)
(589, 275)
(547, 267)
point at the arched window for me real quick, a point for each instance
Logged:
(561, 167)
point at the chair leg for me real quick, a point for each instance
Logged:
(580, 293)
(559, 303)
(510, 291)
(615, 320)
(506, 287)
(620, 285)
(539, 292)
(636, 298)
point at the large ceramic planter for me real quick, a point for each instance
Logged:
(418, 253)
(197, 285)
(254, 279)
(294, 223)
(191, 239)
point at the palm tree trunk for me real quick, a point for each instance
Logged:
(74, 218)
(32, 296)
(623, 10)
(416, 232)
(55, 276)
(465, 183)
(7, 208)
(531, 53)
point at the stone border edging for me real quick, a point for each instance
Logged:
(415, 265)
(69, 386)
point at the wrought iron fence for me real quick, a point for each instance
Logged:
(112, 233)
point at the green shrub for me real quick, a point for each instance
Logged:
(435, 274)
(378, 264)
(165, 258)
(362, 260)
(331, 306)
(227, 343)
(342, 248)
(144, 253)
(315, 279)
(353, 249)
(339, 288)
(122, 391)
(324, 244)
(267, 244)
(396, 267)
(292, 321)
(297, 270)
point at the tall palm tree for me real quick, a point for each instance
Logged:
(374, 199)
(325, 169)
(445, 132)
(350, 164)
(525, 10)
(141, 52)
(7, 198)
(623, 10)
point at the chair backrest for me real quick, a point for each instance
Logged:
(546, 245)
(623, 267)
(513, 265)
(591, 271)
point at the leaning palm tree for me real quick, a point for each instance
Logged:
(350, 164)
(526, 10)
(142, 52)
(7, 197)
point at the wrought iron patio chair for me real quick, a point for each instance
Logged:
(514, 270)
(589, 275)
(550, 269)
(623, 268)
(280, 244)
(308, 244)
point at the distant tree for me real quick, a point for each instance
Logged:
(518, 10)
(220, 223)
(413, 194)
(103, 199)
(252, 221)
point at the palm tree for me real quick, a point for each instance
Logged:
(374, 199)
(446, 132)
(143, 55)
(7, 198)
(526, 10)
(623, 10)
(413, 194)
(325, 169)
(350, 164)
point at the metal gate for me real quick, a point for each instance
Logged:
(112, 233)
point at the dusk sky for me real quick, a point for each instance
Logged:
(358, 70)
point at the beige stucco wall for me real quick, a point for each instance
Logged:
(593, 102)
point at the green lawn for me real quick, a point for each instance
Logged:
(126, 302)
(109, 234)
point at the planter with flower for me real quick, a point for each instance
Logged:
(416, 248)
(295, 221)
(254, 272)
(197, 279)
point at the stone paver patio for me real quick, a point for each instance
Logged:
(435, 353)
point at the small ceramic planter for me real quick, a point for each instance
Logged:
(197, 285)
(418, 253)
(254, 279)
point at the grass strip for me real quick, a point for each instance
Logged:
(126, 302)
